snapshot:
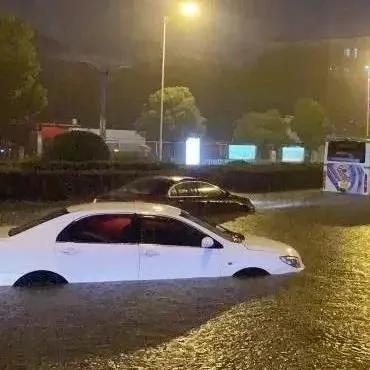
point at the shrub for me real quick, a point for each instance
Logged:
(77, 146)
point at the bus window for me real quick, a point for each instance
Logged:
(346, 151)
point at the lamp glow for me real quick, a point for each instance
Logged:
(189, 9)
(192, 151)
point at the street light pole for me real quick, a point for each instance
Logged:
(368, 101)
(164, 36)
(103, 104)
(189, 9)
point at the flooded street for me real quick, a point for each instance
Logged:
(319, 319)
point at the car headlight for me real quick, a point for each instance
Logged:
(291, 261)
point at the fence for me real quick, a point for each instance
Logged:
(215, 153)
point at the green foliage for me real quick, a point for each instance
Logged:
(77, 146)
(21, 94)
(262, 129)
(182, 117)
(310, 122)
(85, 185)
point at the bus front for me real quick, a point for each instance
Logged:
(346, 166)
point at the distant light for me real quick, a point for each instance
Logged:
(2, 150)
(242, 152)
(116, 150)
(193, 151)
(367, 67)
(190, 9)
(293, 154)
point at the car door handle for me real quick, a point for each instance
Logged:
(69, 251)
(151, 253)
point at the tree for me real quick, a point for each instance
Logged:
(77, 146)
(182, 117)
(310, 122)
(21, 94)
(262, 129)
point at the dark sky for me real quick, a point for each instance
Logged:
(231, 29)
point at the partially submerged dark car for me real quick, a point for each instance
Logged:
(196, 196)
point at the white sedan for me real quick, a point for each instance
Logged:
(104, 242)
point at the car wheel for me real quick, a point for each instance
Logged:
(40, 278)
(250, 273)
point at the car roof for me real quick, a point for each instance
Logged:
(167, 178)
(130, 207)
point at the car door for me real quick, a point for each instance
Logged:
(185, 195)
(99, 248)
(214, 199)
(171, 249)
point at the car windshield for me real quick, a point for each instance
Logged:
(219, 230)
(29, 225)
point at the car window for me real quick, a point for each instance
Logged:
(185, 189)
(38, 221)
(208, 190)
(101, 229)
(167, 231)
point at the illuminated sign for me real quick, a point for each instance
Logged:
(193, 151)
(293, 154)
(242, 152)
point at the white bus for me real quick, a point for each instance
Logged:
(347, 166)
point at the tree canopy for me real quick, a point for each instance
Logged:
(182, 117)
(262, 129)
(77, 146)
(21, 94)
(310, 122)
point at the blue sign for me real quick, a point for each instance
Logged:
(242, 152)
(293, 154)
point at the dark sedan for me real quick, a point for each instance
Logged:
(194, 195)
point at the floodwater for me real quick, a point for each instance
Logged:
(319, 319)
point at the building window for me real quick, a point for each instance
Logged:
(347, 52)
(355, 53)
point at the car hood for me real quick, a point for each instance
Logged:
(256, 243)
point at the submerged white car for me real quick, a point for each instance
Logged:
(105, 242)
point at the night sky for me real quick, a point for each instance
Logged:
(233, 29)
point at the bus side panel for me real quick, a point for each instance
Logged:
(346, 178)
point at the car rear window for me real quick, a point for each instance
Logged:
(29, 225)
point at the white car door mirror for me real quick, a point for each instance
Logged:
(208, 242)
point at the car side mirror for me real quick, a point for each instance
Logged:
(208, 242)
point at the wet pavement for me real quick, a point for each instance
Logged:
(319, 319)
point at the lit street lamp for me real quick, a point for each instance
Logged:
(189, 9)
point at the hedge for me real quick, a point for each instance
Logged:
(85, 184)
